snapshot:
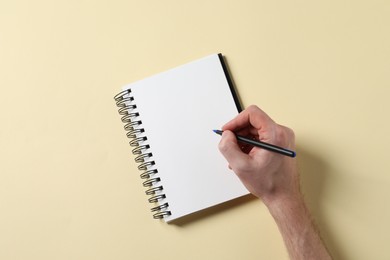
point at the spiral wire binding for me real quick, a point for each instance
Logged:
(135, 132)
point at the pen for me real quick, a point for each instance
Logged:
(269, 147)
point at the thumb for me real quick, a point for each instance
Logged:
(231, 151)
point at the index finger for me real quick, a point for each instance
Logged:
(252, 116)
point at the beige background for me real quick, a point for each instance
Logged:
(69, 188)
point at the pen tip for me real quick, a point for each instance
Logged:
(218, 132)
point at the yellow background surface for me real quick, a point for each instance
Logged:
(69, 188)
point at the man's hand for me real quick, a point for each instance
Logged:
(265, 174)
(274, 178)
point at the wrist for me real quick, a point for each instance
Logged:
(278, 204)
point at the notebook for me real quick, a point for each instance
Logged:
(169, 118)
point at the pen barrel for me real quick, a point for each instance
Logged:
(266, 146)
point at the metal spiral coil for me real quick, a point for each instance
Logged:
(135, 132)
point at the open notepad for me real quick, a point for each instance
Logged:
(169, 118)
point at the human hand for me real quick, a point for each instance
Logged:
(274, 178)
(265, 174)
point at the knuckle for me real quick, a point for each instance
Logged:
(284, 135)
(240, 168)
(222, 146)
(253, 108)
(289, 132)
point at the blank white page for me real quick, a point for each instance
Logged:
(179, 109)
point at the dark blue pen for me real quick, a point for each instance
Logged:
(269, 147)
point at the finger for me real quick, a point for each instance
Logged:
(251, 116)
(232, 152)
